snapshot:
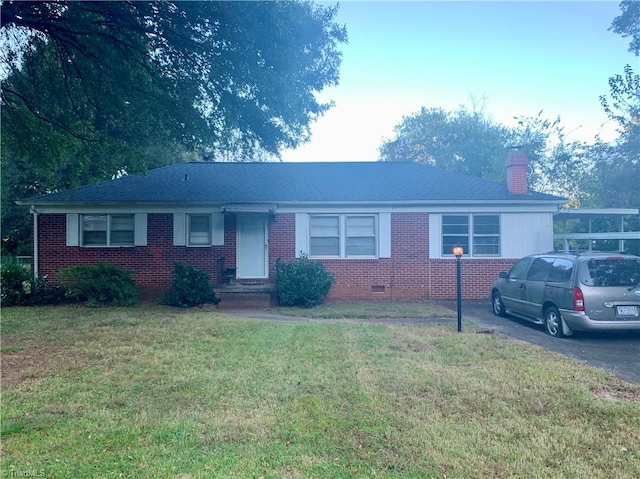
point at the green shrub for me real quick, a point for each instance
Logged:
(44, 291)
(101, 284)
(302, 282)
(15, 283)
(190, 286)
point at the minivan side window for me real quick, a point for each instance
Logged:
(539, 269)
(561, 270)
(519, 270)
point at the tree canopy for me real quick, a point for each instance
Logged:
(103, 77)
(599, 175)
(94, 89)
(461, 141)
(627, 24)
(618, 164)
(471, 143)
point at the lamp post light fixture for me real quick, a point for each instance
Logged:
(458, 251)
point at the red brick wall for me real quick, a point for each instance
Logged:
(403, 276)
(408, 274)
(152, 264)
(282, 242)
(477, 275)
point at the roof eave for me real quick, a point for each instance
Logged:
(50, 207)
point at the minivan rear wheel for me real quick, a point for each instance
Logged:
(497, 304)
(553, 322)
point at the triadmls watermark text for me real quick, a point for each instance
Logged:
(13, 472)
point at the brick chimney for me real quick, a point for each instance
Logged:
(517, 165)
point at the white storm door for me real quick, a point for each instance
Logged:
(252, 246)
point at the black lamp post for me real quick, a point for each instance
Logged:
(458, 251)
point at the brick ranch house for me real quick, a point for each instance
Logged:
(385, 230)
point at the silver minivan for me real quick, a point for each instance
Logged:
(569, 292)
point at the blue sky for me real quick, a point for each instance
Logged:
(514, 58)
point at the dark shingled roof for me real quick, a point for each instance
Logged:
(368, 182)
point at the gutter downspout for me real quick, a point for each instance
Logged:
(35, 241)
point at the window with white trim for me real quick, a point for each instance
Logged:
(343, 236)
(199, 230)
(455, 231)
(486, 235)
(108, 230)
(360, 232)
(324, 235)
(478, 234)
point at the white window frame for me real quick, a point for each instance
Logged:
(181, 229)
(447, 249)
(190, 230)
(108, 231)
(475, 235)
(342, 235)
(348, 236)
(338, 235)
(471, 235)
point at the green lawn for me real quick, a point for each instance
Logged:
(157, 392)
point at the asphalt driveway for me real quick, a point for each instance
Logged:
(617, 352)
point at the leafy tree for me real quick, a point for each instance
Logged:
(469, 142)
(207, 68)
(618, 164)
(612, 182)
(461, 141)
(627, 24)
(554, 162)
(96, 89)
(624, 104)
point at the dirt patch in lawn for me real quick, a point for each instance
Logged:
(28, 359)
(618, 389)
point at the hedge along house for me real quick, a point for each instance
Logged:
(385, 230)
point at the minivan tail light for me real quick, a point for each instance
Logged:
(578, 299)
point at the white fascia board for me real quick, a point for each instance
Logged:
(309, 207)
(119, 208)
(316, 209)
(466, 208)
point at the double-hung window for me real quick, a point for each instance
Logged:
(342, 236)
(360, 233)
(199, 230)
(455, 231)
(478, 234)
(324, 235)
(108, 230)
(486, 235)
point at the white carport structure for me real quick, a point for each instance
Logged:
(621, 215)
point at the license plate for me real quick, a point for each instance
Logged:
(626, 311)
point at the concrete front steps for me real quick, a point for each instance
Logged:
(238, 296)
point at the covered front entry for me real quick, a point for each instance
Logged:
(252, 246)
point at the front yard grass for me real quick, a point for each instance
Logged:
(157, 392)
(371, 310)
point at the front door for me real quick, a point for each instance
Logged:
(252, 246)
